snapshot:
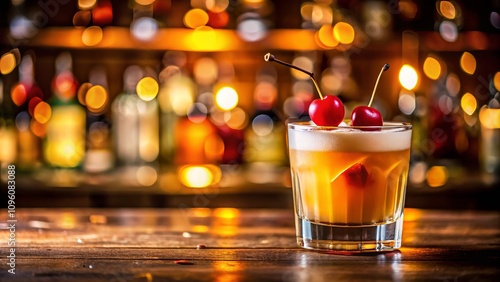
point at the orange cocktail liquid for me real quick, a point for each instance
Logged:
(327, 192)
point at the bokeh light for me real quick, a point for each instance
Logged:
(146, 176)
(96, 98)
(254, 3)
(304, 63)
(67, 121)
(468, 103)
(262, 125)
(21, 28)
(205, 71)
(195, 18)
(86, 4)
(468, 63)
(408, 9)
(39, 129)
(325, 36)
(446, 9)
(432, 68)
(92, 36)
(17, 2)
(19, 94)
(65, 85)
(144, 2)
(453, 84)
(489, 118)
(81, 18)
(251, 27)
(7, 63)
(343, 32)
(22, 121)
(495, 19)
(196, 176)
(226, 213)
(32, 104)
(407, 102)
(205, 38)
(177, 95)
(265, 94)
(418, 172)
(82, 92)
(293, 107)
(306, 10)
(408, 77)
(102, 14)
(445, 104)
(197, 113)
(448, 31)
(218, 20)
(226, 98)
(144, 28)
(496, 81)
(331, 82)
(147, 88)
(42, 112)
(131, 76)
(217, 6)
(321, 14)
(98, 133)
(437, 176)
(236, 118)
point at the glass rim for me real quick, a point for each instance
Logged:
(309, 126)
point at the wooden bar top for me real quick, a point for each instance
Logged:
(227, 244)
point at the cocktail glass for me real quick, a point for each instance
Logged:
(349, 185)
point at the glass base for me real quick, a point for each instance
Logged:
(322, 237)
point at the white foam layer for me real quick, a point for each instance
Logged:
(349, 140)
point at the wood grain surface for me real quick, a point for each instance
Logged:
(225, 244)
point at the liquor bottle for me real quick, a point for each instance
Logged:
(196, 139)
(30, 120)
(175, 97)
(265, 136)
(99, 156)
(136, 123)
(231, 126)
(489, 151)
(64, 144)
(8, 136)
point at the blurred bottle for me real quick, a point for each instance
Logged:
(489, 154)
(8, 136)
(265, 135)
(8, 142)
(136, 123)
(32, 116)
(64, 144)
(99, 156)
(196, 139)
(231, 126)
(175, 97)
(377, 19)
(444, 122)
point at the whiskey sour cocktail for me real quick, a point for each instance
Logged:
(348, 179)
(349, 184)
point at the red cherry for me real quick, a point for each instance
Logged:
(356, 175)
(328, 111)
(366, 116)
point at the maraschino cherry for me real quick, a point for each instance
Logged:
(327, 110)
(366, 115)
